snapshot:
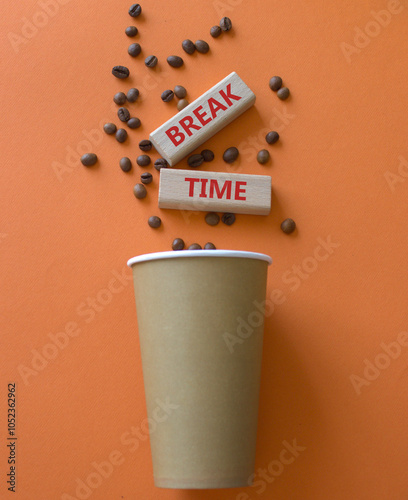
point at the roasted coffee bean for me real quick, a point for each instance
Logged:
(167, 95)
(143, 160)
(89, 159)
(121, 72)
(109, 128)
(188, 46)
(125, 164)
(134, 123)
(119, 98)
(207, 154)
(175, 61)
(160, 163)
(154, 221)
(263, 156)
(230, 155)
(283, 93)
(272, 137)
(228, 219)
(182, 104)
(202, 46)
(132, 95)
(195, 160)
(146, 178)
(139, 191)
(135, 10)
(288, 226)
(151, 61)
(209, 246)
(275, 83)
(123, 114)
(121, 135)
(131, 31)
(195, 246)
(212, 218)
(178, 244)
(134, 49)
(225, 24)
(215, 31)
(145, 145)
(180, 91)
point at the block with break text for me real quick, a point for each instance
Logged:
(203, 118)
(215, 191)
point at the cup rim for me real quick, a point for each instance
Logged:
(171, 254)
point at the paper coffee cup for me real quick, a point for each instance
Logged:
(201, 331)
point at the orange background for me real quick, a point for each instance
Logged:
(337, 171)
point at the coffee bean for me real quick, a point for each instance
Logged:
(145, 145)
(283, 93)
(109, 128)
(89, 159)
(154, 221)
(288, 226)
(146, 178)
(160, 163)
(212, 219)
(195, 160)
(121, 72)
(135, 10)
(178, 244)
(272, 137)
(275, 83)
(134, 49)
(230, 155)
(188, 46)
(228, 219)
(123, 114)
(134, 123)
(167, 95)
(182, 104)
(202, 46)
(119, 98)
(215, 31)
(209, 246)
(151, 61)
(132, 95)
(139, 191)
(263, 156)
(207, 154)
(195, 246)
(225, 24)
(125, 164)
(180, 91)
(131, 31)
(175, 61)
(121, 135)
(143, 160)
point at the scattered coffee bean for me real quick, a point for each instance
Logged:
(143, 160)
(288, 226)
(178, 244)
(182, 104)
(215, 31)
(212, 218)
(272, 137)
(167, 95)
(202, 46)
(175, 61)
(145, 145)
(209, 246)
(228, 219)
(132, 95)
(230, 155)
(283, 93)
(125, 164)
(135, 10)
(151, 61)
(160, 163)
(263, 156)
(180, 91)
(131, 31)
(195, 160)
(134, 49)
(195, 246)
(109, 128)
(225, 24)
(123, 114)
(89, 159)
(275, 83)
(121, 134)
(146, 178)
(188, 46)
(121, 72)
(154, 221)
(134, 123)
(139, 191)
(207, 154)
(119, 98)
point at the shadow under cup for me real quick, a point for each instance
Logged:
(201, 336)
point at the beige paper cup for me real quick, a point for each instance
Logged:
(201, 343)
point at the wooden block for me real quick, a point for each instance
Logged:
(203, 118)
(215, 191)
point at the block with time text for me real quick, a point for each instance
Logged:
(203, 118)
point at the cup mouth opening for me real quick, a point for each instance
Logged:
(172, 254)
